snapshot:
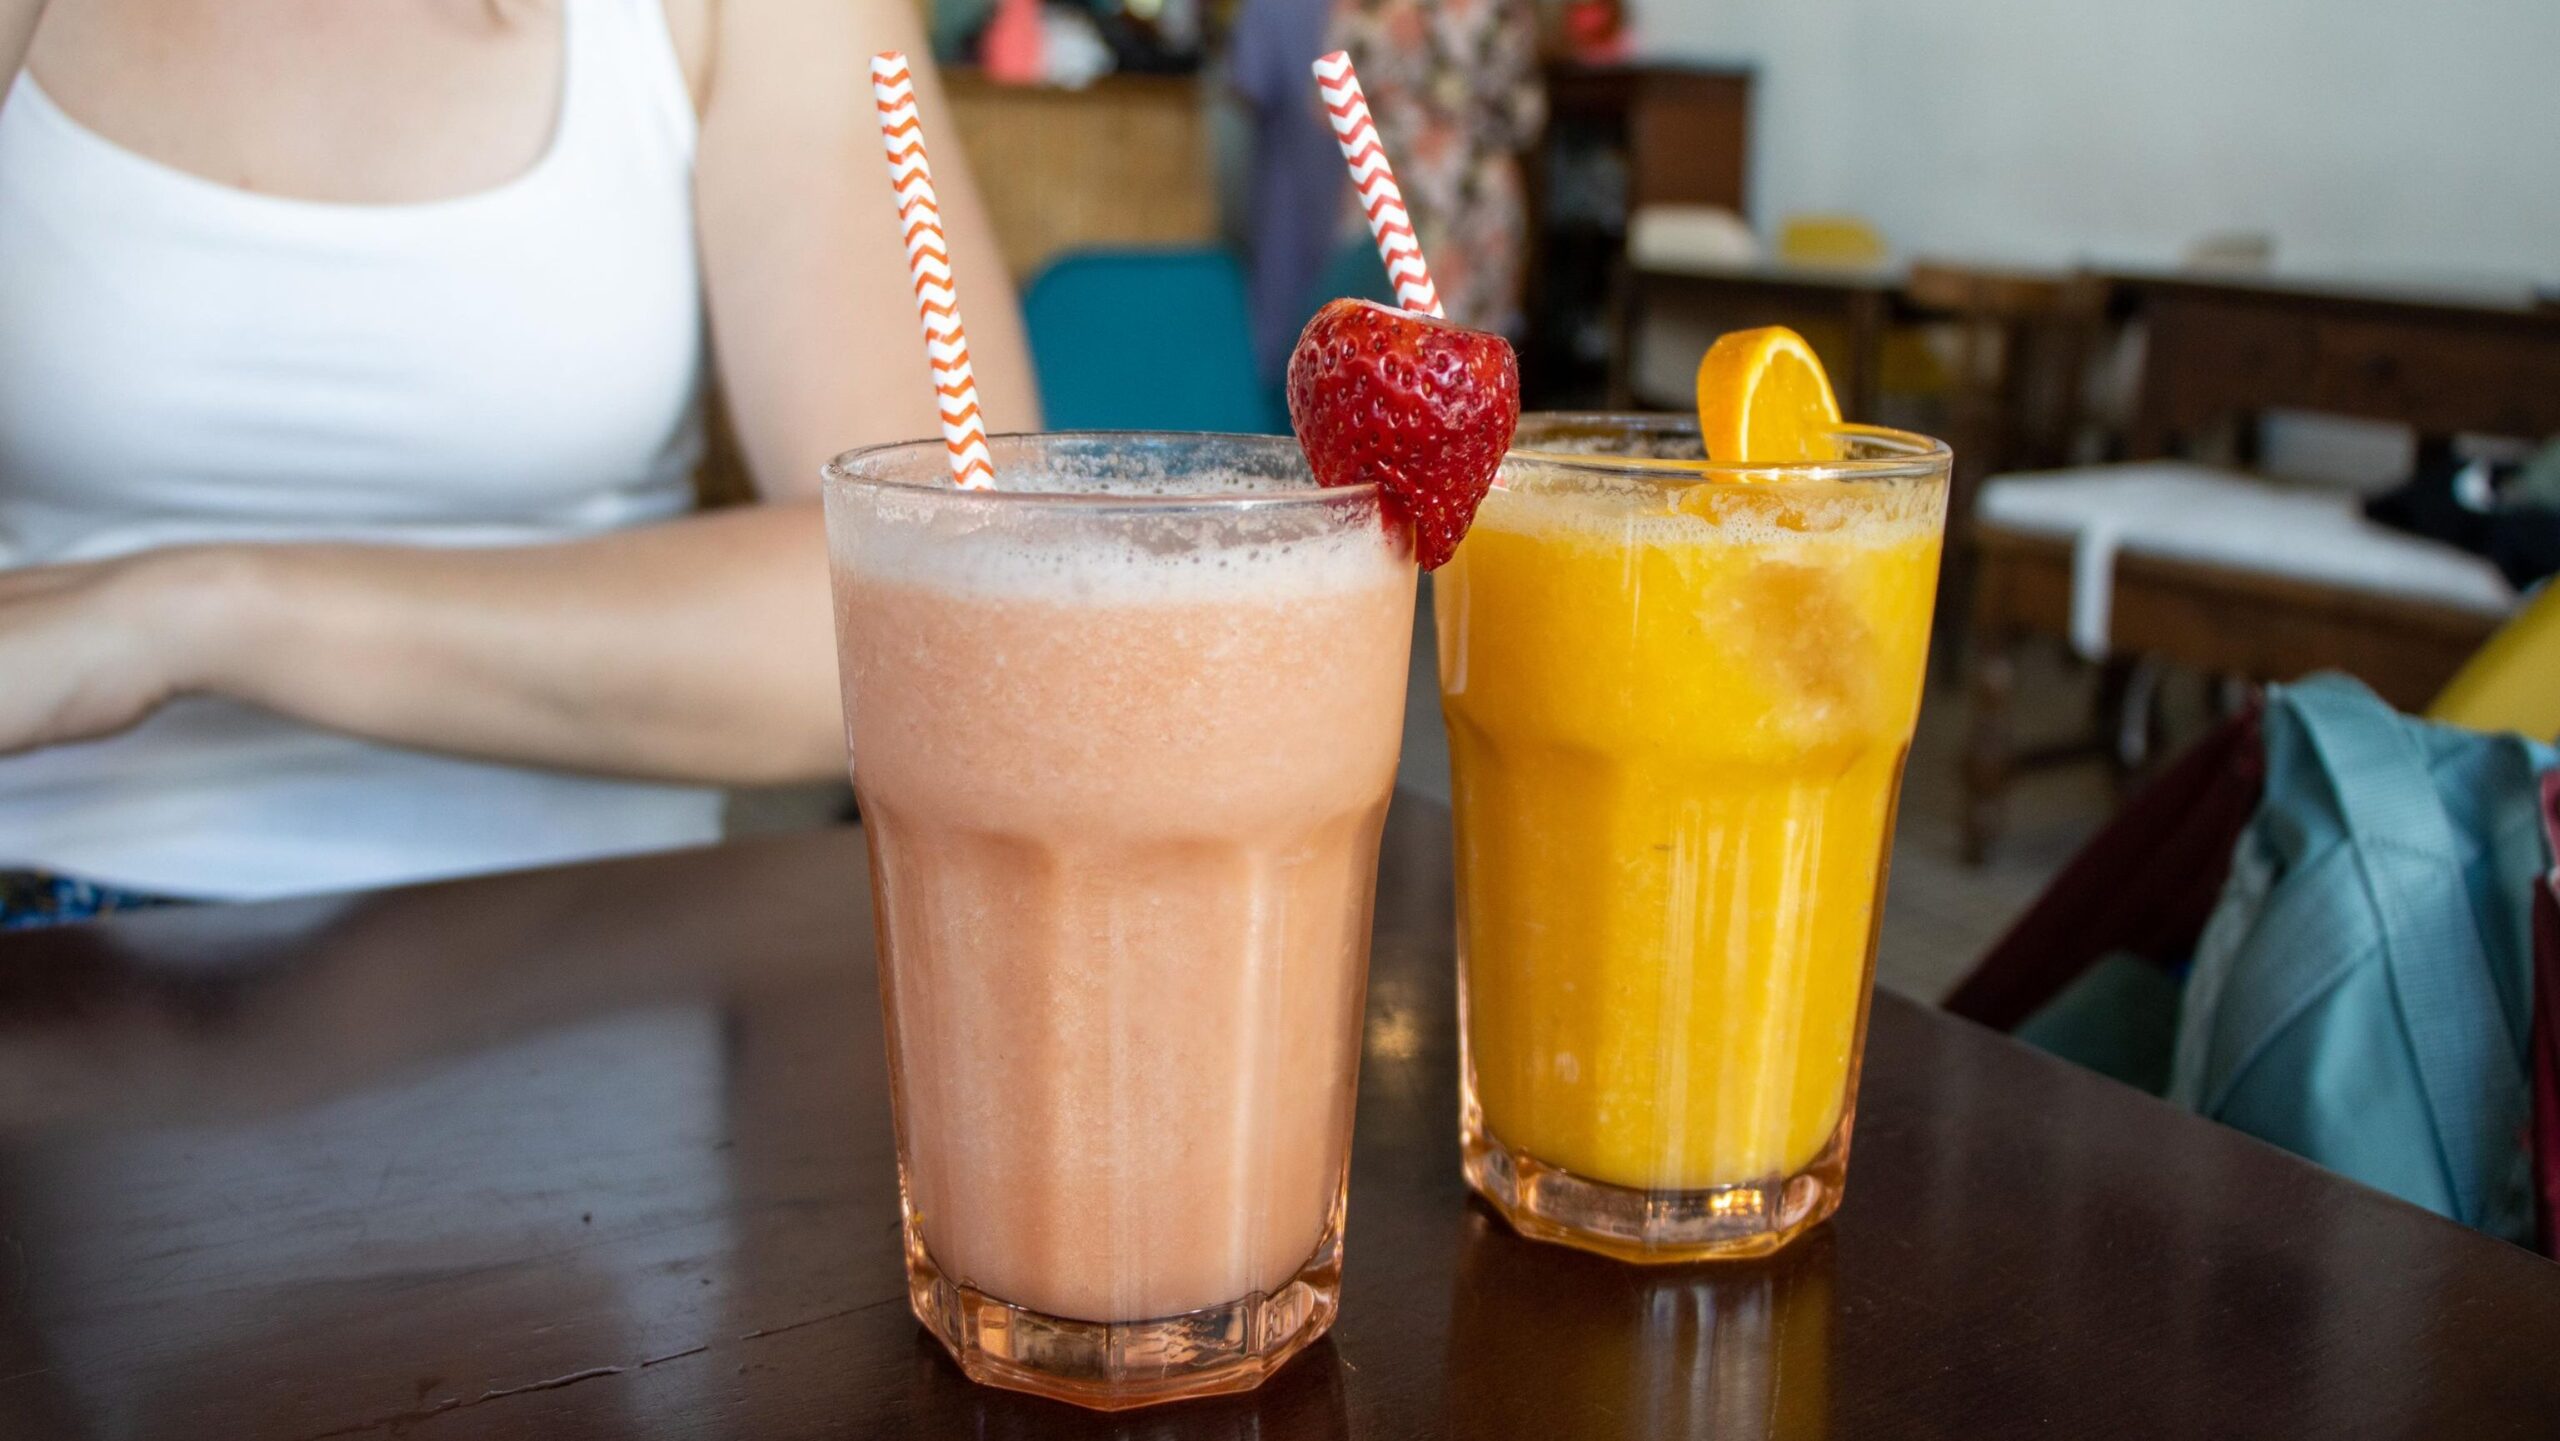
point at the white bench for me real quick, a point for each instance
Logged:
(2214, 570)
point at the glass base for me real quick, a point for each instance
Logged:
(1736, 1222)
(1117, 1365)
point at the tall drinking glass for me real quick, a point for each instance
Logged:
(1123, 733)
(1678, 697)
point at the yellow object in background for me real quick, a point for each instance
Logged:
(2513, 684)
(1845, 240)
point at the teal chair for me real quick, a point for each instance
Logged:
(1147, 340)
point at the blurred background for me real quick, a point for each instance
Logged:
(2242, 315)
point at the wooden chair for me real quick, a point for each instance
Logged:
(2022, 347)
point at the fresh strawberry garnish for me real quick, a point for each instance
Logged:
(1422, 407)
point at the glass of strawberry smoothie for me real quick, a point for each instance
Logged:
(1124, 731)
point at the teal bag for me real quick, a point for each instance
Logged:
(2363, 994)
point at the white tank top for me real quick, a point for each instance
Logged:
(184, 361)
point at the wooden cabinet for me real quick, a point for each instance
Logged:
(1684, 131)
(1618, 137)
(1122, 162)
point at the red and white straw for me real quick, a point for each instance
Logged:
(946, 344)
(1379, 198)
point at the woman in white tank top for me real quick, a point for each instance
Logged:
(351, 372)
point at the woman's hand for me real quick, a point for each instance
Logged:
(89, 650)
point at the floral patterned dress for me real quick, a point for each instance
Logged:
(1454, 87)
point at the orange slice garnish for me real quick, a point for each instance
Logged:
(1763, 398)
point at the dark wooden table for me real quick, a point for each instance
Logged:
(603, 1152)
(2438, 360)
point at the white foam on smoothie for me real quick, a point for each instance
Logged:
(1209, 557)
(1853, 515)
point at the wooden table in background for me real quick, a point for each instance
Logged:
(2221, 351)
(2440, 360)
(604, 1152)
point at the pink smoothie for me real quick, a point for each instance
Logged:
(1124, 805)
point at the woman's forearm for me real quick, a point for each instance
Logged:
(700, 649)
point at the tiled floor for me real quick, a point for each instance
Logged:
(1940, 915)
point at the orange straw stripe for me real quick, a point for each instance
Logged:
(1399, 249)
(929, 272)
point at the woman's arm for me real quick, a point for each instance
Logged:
(812, 314)
(702, 649)
(699, 649)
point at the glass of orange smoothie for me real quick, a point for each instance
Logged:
(1678, 697)
(1123, 731)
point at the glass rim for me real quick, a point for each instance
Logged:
(842, 471)
(1916, 457)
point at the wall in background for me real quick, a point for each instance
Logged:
(2416, 138)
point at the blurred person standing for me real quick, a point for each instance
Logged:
(353, 364)
(1296, 194)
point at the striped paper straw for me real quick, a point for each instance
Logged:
(1379, 197)
(946, 344)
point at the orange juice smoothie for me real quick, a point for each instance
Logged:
(1678, 705)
